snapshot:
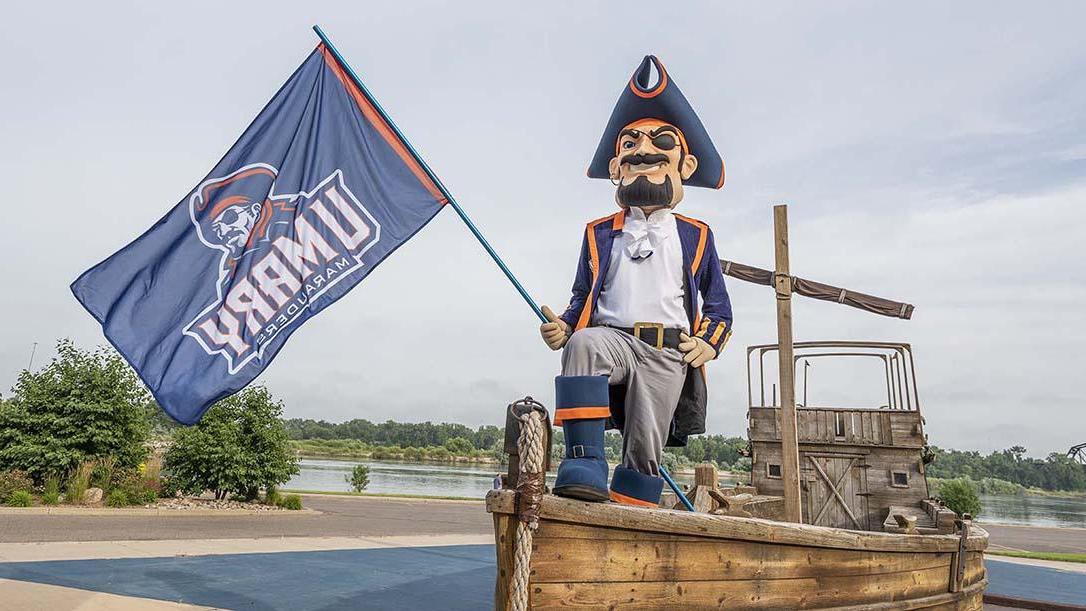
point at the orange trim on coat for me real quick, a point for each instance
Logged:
(580, 413)
(702, 238)
(721, 183)
(656, 90)
(378, 122)
(617, 220)
(594, 265)
(720, 328)
(618, 497)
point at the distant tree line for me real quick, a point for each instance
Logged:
(725, 452)
(402, 434)
(1056, 472)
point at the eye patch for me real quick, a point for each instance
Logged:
(664, 142)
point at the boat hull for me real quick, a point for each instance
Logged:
(606, 556)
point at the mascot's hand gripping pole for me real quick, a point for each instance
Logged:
(460, 212)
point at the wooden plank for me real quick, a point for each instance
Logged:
(673, 522)
(705, 474)
(505, 528)
(793, 511)
(561, 560)
(974, 568)
(802, 593)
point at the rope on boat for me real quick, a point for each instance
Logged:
(530, 482)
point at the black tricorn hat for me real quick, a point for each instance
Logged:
(664, 102)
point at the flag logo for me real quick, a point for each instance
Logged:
(279, 252)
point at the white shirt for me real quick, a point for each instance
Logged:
(644, 281)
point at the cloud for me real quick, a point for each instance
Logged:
(930, 153)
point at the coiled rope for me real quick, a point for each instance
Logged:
(530, 482)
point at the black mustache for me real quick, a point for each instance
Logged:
(645, 159)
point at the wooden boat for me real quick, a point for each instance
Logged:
(838, 516)
(609, 556)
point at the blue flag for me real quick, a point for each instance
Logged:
(316, 192)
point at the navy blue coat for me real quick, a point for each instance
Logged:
(710, 318)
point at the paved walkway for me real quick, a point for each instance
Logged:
(339, 516)
(1036, 538)
(350, 552)
(448, 578)
(1065, 585)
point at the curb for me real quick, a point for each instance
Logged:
(144, 511)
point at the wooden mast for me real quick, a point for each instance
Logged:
(793, 511)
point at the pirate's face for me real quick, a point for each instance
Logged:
(650, 164)
(233, 225)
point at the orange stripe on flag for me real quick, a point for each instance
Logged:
(378, 122)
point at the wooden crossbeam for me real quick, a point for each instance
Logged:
(834, 489)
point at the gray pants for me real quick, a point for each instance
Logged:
(653, 380)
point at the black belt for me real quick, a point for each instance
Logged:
(654, 334)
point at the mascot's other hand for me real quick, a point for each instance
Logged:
(698, 351)
(555, 332)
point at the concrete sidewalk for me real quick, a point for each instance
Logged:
(334, 516)
(99, 550)
(24, 595)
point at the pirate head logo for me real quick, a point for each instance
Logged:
(279, 253)
(229, 212)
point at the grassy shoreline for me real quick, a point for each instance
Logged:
(387, 495)
(1055, 556)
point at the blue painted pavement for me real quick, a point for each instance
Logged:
(448, 578)
(1035, 582)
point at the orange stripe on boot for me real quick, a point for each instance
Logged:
(629, 500)
(580, 413)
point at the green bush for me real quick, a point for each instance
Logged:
(78, 482)
(238, 447)
(291, 501)
(52, 485)
(20, 498)
(104, 472)
(272, 496)
(960, 495)
(359, 478)
(50, 498)
(14, 481)
(117, 498)
(83, 406)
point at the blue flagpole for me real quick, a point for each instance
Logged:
(437, 181)
(675, 487)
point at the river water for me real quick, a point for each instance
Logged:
(472, 480)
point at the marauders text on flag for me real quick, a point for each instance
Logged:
(318, 190)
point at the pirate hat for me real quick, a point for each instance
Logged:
(251, 184)
(663, 102)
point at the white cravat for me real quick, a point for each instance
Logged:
(644, 281)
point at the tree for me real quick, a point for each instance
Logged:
(84, 405)
(359, 478)
(459, 446)
(238, 446)
(960, 495)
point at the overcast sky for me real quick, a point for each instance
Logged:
(930, 152)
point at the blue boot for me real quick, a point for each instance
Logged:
(631, 487)
(582, 407)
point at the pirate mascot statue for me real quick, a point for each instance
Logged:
(649, 305)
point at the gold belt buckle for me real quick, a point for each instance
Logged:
(659, 326)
